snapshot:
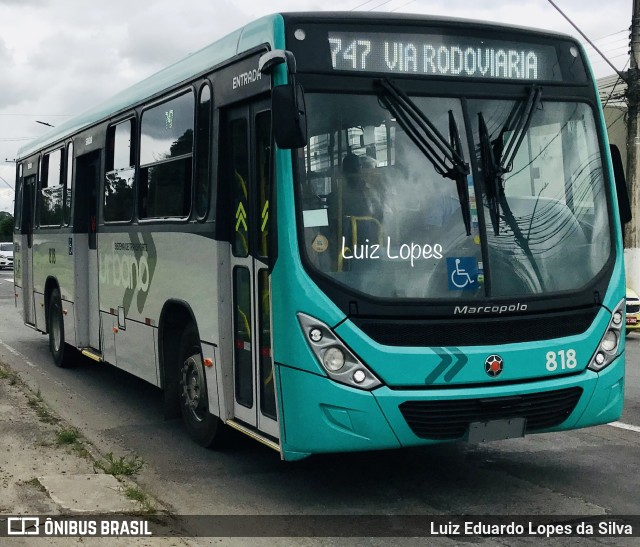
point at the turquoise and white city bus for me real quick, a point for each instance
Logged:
(340, 232)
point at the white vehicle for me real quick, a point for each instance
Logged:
(6, 255)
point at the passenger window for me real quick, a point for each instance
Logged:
(67, 200)
(51, 193)
(239, 160)
(166, 152)
(17, 209)
(203, 152)
(263, 166)
(120, 171)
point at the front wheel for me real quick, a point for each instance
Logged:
(203, 427)
(59, 350)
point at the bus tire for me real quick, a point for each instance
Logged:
(59, 350)
(202, 426)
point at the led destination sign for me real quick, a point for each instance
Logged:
(442, 55)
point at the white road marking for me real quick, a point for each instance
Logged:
(15, 352)
(41, 370)
(628, 427)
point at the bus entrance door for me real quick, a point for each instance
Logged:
(249, 157)
(86, 253)
(26, 249)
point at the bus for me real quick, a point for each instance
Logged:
(340, 232)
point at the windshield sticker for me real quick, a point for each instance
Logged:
(320, 244)
(462, 273)
(312, 218)
(391, 251)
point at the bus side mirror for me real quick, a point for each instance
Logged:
(289, 116)
(622, 191)
(288, 113)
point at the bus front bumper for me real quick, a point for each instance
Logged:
(321, 416)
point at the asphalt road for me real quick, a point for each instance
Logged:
(595, 471)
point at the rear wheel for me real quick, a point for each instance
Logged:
(203, 427)
(59, 350)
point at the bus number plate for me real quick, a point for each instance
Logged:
(496, 430)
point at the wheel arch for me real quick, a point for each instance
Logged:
(50, 284)
(174, 318)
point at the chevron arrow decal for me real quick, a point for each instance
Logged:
(451, 363)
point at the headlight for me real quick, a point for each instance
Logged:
(335, 357)
(607, 350)
(610, 341)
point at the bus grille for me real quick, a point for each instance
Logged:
(476, 331)
(451, 419)
(633, 308)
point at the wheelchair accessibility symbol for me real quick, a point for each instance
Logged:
(462, 273)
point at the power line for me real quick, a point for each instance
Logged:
(360, 5)
(613, 33)
(613, 88)
(614, 121)
(403, 5)
(587, 39)
(2, 179)
(380, 5)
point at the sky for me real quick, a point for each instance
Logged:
(60, 57)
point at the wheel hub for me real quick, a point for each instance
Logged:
(193, 387)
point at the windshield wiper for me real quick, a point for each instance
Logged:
(447, 157)
(497, 160)
(497, 156)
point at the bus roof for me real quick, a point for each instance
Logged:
(413, 18)
(268, 29)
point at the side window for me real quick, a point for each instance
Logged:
(263, 165)
(203, 152)
(239, 161)
(118, 183)
(17, 210)
(67, 199)
(50, 195)
(166, 153)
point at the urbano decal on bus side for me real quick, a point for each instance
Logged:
(133, 272)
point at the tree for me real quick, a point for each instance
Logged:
(7, 222)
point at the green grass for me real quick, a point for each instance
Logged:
(35, 483)
(122, 466)
(7, 373)
(134, 493)
(68, 436)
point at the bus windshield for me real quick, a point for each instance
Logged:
(380, 217)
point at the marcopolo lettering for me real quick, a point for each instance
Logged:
(246, 78)
(503, 308)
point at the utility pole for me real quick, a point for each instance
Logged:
(632, 231)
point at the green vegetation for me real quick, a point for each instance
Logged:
(6, 372)
(42, 411)
(119, 466)
(35, 483)
(68, 436)
(7, 223)
(134, 493)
